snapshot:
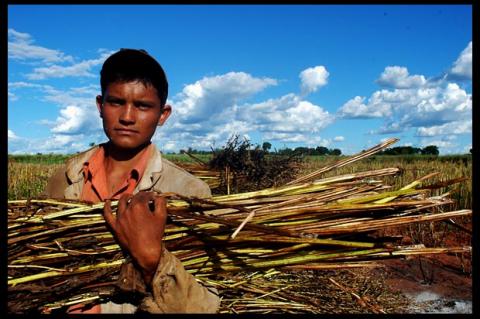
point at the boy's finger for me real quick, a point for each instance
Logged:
(123, 203)
(108, 215)
(160, 207)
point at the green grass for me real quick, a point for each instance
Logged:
(39, 158)
(61, 158)
(184, 158)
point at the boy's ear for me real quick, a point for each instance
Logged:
(167, 110)
(99, 100)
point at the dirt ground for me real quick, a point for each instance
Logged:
(440, 283)
(442, 275)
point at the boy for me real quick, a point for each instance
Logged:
(133, 103)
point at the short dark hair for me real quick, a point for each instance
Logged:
(128, 65)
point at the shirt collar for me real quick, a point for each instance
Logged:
(95, 163)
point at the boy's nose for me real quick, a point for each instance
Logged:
(128, 114)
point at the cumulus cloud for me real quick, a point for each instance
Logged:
(339, 138)
(285, 118)
(399, 78)
(64, 144)
(377, 106)
(214, 97)
(21, 47)
(413, 103)
(462, 67)
(313, 78)
(76, 119)
(210, 110)
(286, 114)
(440, 143)
(205, 112)
(455, 127)
(437, 109)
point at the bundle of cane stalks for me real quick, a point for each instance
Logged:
(60, 253)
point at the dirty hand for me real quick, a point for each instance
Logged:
(139, 227)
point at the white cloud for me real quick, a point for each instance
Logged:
(84, 96)
(455, 127)
(399, 78)
(376, 107)
(210, 110)
(287, 114)
(56, 143)
(413, 103)
(14, 86)
(77, 119)
(21, 47)
(462, 67)
(285, 119)
(21, 84)
(438, 143)
(339, 138)
(12, 96)
(81, 69)
(205, 113)
(77, 114)
(313, 78)
(214, 97)
(12, 135)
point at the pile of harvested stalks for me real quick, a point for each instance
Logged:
(61, 253)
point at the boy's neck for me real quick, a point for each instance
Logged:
(116, 158)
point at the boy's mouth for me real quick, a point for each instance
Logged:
(124, 131)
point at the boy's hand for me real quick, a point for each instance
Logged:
(139, 227)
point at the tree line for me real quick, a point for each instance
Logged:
(322, 150)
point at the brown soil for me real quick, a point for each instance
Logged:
(443, 275)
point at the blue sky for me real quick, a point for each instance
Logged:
(340, 76)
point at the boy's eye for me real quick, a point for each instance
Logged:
(143, 106)
(114, 102)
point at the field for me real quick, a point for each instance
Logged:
(28, 174)
(448, 275)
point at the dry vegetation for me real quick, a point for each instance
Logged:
(345, 290)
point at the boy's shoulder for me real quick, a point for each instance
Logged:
(174, 178)
(82, 156)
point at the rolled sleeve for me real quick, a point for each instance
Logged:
(174, 290)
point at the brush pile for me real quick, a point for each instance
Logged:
(246, 167)
(60, 253)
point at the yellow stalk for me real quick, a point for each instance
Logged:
(72, 271)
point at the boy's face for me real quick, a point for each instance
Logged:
(131, 112)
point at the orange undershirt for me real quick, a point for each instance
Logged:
(95, 177)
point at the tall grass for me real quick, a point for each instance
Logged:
(28, 174)
(39, 158)
(413, 167)
(27, 180)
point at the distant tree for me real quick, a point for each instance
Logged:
(336, 152)
(266, 146)
(322, 150)
(430, 150)
(471, 151)
(285, 151)
(401, 150)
